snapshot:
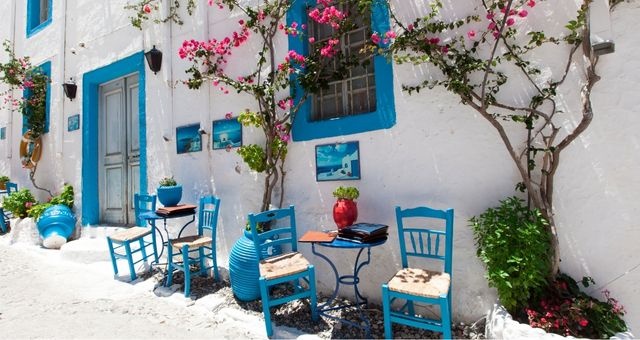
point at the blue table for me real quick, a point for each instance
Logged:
(151, 217)
(349, 279)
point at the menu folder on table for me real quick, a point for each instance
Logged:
(317, 236)
(178, 209)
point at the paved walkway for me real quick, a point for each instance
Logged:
(44, 296)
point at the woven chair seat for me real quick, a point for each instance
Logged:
(283, 265)
(420, 282)
(193, 242)
(130, 234)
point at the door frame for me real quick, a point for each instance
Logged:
(91, 82)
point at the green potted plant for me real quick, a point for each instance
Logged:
(3, 182)
(19, 203)
(169, 192)
(345, 210)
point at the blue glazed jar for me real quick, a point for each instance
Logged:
(56, 225)
(170, 196)
(243, 267)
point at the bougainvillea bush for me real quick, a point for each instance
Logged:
(269, 80)
(566, 310)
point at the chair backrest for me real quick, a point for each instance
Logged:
(143, 203)
(283, 230)
(423, 241)
(208, 209)
(11, 187)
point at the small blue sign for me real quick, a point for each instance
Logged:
(73, 123)
(3, 133)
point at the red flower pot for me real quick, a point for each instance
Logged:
(345, 212)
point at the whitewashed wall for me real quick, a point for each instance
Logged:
(439, 153)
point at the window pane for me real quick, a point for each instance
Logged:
(44, 11)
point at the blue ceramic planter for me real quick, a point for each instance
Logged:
(243, 267)
(56, 225)
(170, 196)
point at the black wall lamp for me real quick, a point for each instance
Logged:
(154, 59)
(70, 89)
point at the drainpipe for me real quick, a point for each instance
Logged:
(63, 72)
(166, 135)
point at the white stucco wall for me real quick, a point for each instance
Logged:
(439, 153)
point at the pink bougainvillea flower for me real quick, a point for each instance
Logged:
(228, 115)
(410, 27)
(445, 49)
(390, 34)
(490, 15)
(312, 40)
(434, 41)
(375, 38)
(228, 148)
(471, 34)
(511, 21)
(584, 322)
(523, 13)
(147, 9)
(531, 3)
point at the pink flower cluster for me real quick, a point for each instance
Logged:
(327, 15)
(330, 49)
(293, 57)
(282, 132)
(388, 37)
(510, 17)
(192, 49)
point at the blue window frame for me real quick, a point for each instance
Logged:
(45, 69)
(38, 15)
(384, 115)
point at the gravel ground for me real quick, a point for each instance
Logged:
(296, 314)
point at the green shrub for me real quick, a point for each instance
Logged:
(19, 202)
(4, 179)
(514, 244)
(565, 309)
(65, 197)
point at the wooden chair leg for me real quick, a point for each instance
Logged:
(132, 270)
(386, 312)
(113, 256)
(169, 266)
(186, 270)
(264, 292)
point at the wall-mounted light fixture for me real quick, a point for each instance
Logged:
(154, 59)
(70, 89)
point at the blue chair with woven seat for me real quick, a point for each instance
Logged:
(188, 250)
(136, 236)
(286, 267)
(416, 285)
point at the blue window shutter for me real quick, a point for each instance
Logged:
(46, 69)
(383, 117)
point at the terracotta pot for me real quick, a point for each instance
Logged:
(345, 212)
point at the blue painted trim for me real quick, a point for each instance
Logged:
(90, 107)
(33, 17)
(383, 117)
(45, 68)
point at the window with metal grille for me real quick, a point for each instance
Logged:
(356, 92)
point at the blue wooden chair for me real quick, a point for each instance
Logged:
(286, 267)
(5, 216)
(196, 248)
(417, 285)
(120, 243)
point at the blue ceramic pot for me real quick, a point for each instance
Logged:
(243, 267)
(170, 196)
(55, 225)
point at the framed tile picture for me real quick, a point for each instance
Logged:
(3, 132)
(338, 161)
(73, 123)
(226, 134)
(188, 138)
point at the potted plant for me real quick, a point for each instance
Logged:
(169, 192)
(19, 203)
(3, 182)
(345, 210)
